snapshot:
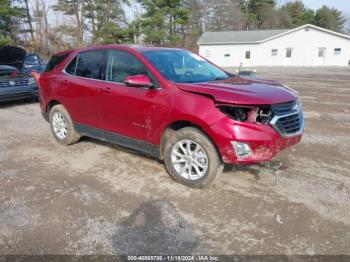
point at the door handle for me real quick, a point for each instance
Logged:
(107, 90)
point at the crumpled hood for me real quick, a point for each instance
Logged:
(12, 56)
(239, 90)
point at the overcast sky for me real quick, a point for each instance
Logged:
(342, 5)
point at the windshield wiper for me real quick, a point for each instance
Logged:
(221, 78)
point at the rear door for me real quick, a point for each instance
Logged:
(79, 87)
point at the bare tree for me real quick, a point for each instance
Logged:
(224, 15)
(29, 18)
(75, 8)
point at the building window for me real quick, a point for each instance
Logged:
(274, 52)
(289, 52)
(247, 54)
(321, 52)
(227, 53)
(337, 51)
(207, 52)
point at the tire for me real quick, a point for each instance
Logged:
(182, 165)
(62, 126)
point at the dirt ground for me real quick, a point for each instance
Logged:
(96, 198)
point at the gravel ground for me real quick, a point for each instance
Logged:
(96, 198)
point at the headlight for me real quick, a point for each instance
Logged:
(296, 107)
(254, 114)
(236, 113)
(31, 81)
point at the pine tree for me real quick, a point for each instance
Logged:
(330, 18)
(105, 19)
(300, 15)
(163, 22)
(9, 16)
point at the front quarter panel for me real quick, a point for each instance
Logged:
(197, 109)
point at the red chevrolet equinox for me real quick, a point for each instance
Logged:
(170, 104)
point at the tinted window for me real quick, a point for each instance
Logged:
(54, 61)
(91, 64)
(70, 69)
(122, 64)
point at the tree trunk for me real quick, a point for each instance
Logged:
(80, 26)
(29, 20)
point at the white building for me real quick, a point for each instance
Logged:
(307, 45)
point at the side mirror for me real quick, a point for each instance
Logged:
(138, 81)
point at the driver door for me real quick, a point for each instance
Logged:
(130, 113)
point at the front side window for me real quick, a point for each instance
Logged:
(247, 54)
(91, 64)
(182, 66)
(288, 52)
(122, 64)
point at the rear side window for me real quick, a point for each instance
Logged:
(54, 61)
(90, 64)
(70, 69)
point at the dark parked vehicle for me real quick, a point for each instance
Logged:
(34, 62)
(16, 81)
(171, 104)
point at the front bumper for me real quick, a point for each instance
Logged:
(19, 93)
(264, 141)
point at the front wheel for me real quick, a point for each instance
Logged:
(191, 158)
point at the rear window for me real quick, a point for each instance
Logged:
(54, 61)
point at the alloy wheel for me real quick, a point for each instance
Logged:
(189, 159)
(59, 125)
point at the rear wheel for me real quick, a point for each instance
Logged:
(191, 158)
(62, 126)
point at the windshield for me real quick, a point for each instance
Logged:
(182, 66)
(31, 60)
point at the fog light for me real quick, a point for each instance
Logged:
(242, 149)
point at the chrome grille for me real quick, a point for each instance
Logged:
(288, 118)
(283, 109)
(7, 83)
